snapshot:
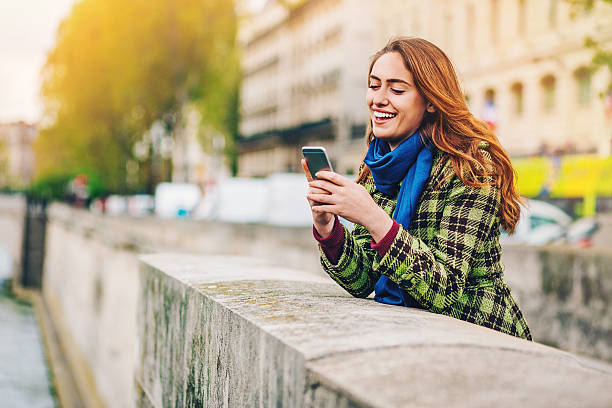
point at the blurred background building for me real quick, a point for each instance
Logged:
(16, 154)
(304, 82)
(523, 65)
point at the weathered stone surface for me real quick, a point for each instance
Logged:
(91, 285)
(91, 290)
(566, 295)
(218, 331)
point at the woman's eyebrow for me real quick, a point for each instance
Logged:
(401, 81)
(392, 80)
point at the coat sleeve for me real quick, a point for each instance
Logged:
(435, 274)
(354, 271)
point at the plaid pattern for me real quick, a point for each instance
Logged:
(449, 261)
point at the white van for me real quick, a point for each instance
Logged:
(176, 200)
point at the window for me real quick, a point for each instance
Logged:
(522, 17)
(552, 13)
(471, 24)
(583, 83)
(548, 83)
(489, 110)
(448, 31)
(494, 20)
(517, 98)
(358, 131)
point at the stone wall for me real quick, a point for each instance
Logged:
(90, 284)
(566, 294)
(217, 331)
(579, 321)
(91, 287)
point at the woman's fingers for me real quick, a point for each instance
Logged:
(321, 198)
(306, 170)
(316, 190)
(326, 208)
(332, 177)
(324, 185)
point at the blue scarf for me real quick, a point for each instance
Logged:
(409, 164)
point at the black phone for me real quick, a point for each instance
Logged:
(316, 159)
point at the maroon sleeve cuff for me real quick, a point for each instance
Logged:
(332, 244)
(382, 247)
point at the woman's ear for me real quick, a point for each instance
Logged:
(430, 108)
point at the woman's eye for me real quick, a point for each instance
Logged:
(373, 86)
(397, 91)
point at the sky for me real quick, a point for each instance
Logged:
(27, 33)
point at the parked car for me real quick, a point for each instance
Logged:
(542, 223)
(176, 200)
(279, 199)
(287, 204)
(115, 205)
(236, 199)
(140, 205)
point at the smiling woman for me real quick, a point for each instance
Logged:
(433, 189)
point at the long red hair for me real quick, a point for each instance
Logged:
(452, 128)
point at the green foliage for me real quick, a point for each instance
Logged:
(232, 125)
(602, 57)
(56, 185)
(119, 66)
(4, 165)
(578, 7)
(52, 186)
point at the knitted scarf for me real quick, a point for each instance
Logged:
(406, 167)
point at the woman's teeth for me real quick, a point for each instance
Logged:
(384, 115)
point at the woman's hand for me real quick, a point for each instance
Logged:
(323, 222)
(335, 194)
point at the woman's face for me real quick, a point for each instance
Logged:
(396, 106)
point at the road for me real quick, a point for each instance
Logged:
(24, 376)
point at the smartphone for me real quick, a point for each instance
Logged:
(316, 159)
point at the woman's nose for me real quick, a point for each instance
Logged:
(380, 98)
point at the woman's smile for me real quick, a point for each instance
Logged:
(381, 117)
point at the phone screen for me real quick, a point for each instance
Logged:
(316, 159)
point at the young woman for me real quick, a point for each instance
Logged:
(432, 192)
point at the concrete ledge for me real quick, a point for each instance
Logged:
(152, 235)
(223, 331)
(563, 292)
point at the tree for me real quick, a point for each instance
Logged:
(602, 56)
(586, 5)
(4, 166)
(119, 66)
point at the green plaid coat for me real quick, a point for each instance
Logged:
(448, 261)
